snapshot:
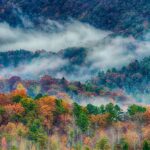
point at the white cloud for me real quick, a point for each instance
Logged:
(35, 68)
(62, 36)
(105, 51)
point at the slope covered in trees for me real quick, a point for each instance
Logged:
(133, 78)
(47, 122)
(80, 92)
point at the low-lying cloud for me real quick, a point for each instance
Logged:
(36, 68)
(72, 34)
(105, 51)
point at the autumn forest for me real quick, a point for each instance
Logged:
(46, 122)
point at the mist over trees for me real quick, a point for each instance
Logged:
(74, 75)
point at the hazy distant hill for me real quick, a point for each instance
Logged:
(75, 56)
(71, 63)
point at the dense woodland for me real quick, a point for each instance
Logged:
(133, 78)
(50, 123)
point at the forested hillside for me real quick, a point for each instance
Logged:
(46, 122)
(133, 79)
(127, 17)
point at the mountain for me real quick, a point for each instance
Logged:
(75, 56)
(133, 79)
(74, 75)
(126, 17)
(134, 76)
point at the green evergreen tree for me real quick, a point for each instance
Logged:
(146, 145)
(103, 144)
(81, 117)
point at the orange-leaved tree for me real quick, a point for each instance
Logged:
(46, 107)
(20, 90)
